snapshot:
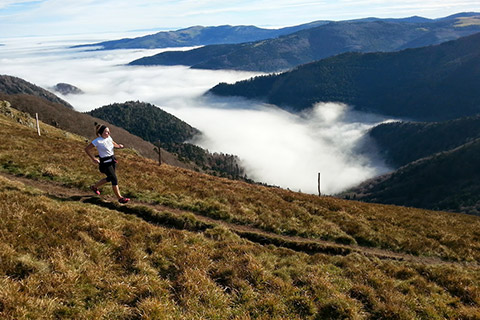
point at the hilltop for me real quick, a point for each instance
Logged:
(322, 41)
(147, 121)
(195, 246)
(429, 83)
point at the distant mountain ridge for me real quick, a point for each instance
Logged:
(199, 36)
(430, 83)
(326, 40)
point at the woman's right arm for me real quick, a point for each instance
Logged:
(88, 150)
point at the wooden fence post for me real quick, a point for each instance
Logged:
(38, 124)
(319, 193)
(159, 151)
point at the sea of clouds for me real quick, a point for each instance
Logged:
(275, 146)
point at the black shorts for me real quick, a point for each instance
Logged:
(108, 168)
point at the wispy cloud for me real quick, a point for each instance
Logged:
(5, 4)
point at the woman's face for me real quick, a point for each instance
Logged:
(106, 133)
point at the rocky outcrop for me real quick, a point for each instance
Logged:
(21, 117)
(66, 89)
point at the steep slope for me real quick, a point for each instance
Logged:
(199, 36)
(430, 83)
(14, 85)
(286, 52)
(402, 142)
(445, 181)
(69, 255)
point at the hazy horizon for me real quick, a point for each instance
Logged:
(275, 147)
(50, 17)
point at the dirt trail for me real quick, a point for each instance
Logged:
(310, 246)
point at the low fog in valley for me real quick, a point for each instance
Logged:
(276, 147)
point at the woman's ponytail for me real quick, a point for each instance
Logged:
(99, 128)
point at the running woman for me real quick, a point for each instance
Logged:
(107, 162)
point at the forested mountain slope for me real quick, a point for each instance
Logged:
(403, 142)
(448, 181)
(147, 121)
(430, 83)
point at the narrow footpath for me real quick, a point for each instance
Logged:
(181, 219)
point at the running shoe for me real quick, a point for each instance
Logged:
(95, 190)
(123, 200)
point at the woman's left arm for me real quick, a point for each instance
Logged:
(118, 146)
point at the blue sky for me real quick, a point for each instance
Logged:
(61, 17)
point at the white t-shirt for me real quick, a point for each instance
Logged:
(104, 146)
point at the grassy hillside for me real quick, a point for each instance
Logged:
(193, 246)
(429, 83)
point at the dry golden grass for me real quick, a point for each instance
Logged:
(71, 260)
(66, 259)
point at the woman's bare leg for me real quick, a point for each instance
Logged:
(100, 183)
(116, 190)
